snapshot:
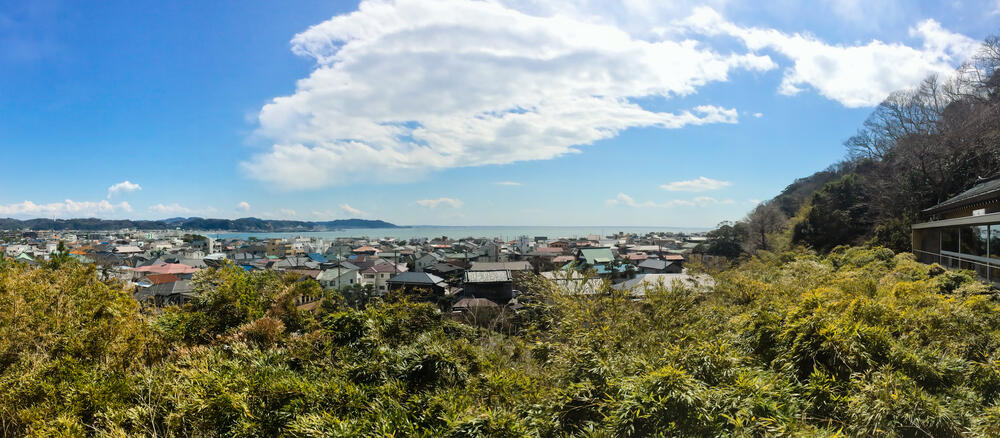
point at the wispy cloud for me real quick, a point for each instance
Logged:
(122, 187)
(346, 208)
(434, 203)
(700, 184)
(700, 201)
(626, 200)
(507, 183)
(174, 208)
(65, 209)
(858, 75)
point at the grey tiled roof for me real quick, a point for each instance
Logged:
(416, 278)
(486, 276)
(976, 193)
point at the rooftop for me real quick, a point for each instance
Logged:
(416, 278)
(486, 276)
(980, 192)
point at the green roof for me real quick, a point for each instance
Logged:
(595, 256)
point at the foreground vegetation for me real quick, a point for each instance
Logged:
(860, 342)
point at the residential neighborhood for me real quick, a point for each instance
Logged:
(462, 274)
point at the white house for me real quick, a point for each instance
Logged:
(378, 275)
(339, 277)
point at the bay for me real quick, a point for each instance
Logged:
(458, 232)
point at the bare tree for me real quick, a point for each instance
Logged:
(767, 218)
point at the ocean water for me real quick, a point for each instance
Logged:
(505, 233)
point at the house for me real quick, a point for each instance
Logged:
(595, 256)
(305, 273)
(317, 257)
(295, 262)
(163, 290)
(563, 259)
(497, 286)
(340, 276)
(445, 270)
(519, 266)
(676, 258)
(281, 248)
(410, 282)
(182, 271)
(366, 250)
(127, 250)
(963, 232)
(378, 274)
(338, 250)
(427, 260)
(658, 266)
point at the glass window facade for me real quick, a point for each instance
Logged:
(973, 240)
(949, 239)
(972, 247)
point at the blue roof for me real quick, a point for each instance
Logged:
(317, 257)
(603, 269)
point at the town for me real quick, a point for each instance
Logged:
(463, 275)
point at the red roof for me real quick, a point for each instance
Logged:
(382, 267)
(673, 257)
(549, 249)
(168, 268)
(365, 249)
(161, 278)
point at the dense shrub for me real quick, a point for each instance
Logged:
(860, 342)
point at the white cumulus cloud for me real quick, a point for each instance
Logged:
(413, 86)
(434, 203)
(700, 184)
(122, 187)
(346, 208)
(65, 209)
(243, 206)
(854, 75)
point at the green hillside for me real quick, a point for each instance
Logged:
(917, 148)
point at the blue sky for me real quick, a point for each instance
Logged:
(448, 112)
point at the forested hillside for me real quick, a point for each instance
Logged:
(917, 148)
(860, 342)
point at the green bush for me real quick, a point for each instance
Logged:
(861, 342)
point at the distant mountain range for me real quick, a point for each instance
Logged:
(247, 225)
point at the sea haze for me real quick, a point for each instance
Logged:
(457, 232)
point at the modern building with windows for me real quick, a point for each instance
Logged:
(963, 232)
